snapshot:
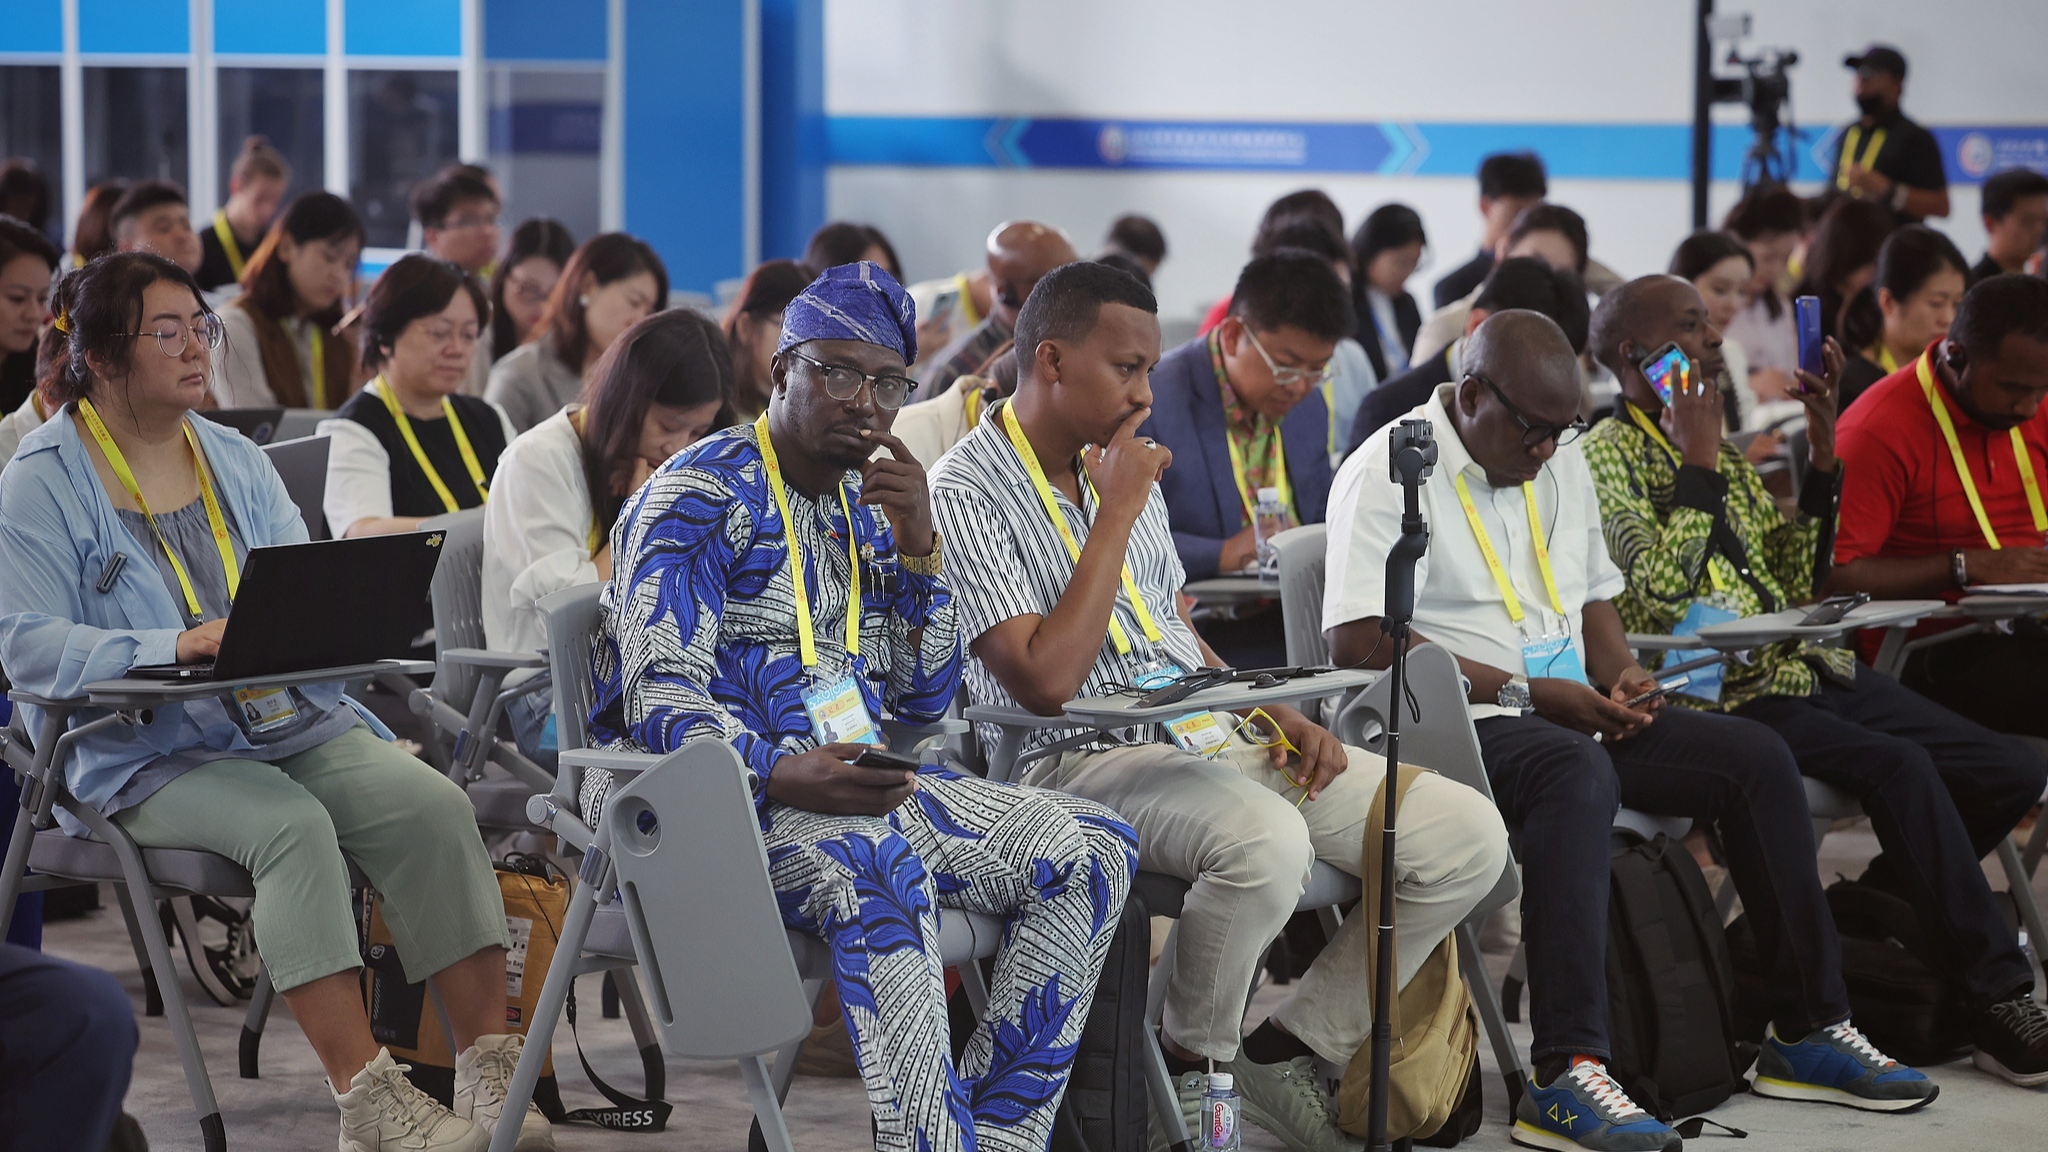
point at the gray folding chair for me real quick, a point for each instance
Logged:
(467, 699)
(674, 879)
(301, 422)
(302, 465)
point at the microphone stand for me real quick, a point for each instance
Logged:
(1411, 459)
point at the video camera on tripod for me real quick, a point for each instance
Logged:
(1765, 87)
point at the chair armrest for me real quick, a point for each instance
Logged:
(484, 658)
(904, 729)
(20, 696)
(605, 758)
(1653, 642)
(1014, 718)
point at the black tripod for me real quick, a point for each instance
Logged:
(1411, 459)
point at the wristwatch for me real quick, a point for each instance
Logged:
(1959, 569)
(1514, 694)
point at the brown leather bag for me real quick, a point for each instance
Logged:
(1436, 1035)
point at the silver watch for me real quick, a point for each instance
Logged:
(1514, 694)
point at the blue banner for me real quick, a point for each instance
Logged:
(1384, 148)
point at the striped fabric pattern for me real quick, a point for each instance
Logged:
(1004, 559)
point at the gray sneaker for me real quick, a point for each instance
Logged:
(1289, 1101)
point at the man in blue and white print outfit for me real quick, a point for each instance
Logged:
(727, 617)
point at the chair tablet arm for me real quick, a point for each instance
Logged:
(1656, 642)
(1014, 718)
(485, 658)
(21, 696)
(609, 760)
(904, 729)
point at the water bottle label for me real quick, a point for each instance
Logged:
(1222, 1124)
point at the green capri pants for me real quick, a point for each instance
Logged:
(410, 829)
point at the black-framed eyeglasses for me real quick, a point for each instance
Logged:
(1534, 434)
(892, 389)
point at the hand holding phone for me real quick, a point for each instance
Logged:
(1806, 319)
(1668, 370)
(1663, 689)
(883, 758)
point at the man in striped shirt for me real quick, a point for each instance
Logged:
(1054, 610)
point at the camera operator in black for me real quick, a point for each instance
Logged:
(1884, 156)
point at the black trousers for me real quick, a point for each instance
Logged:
(67, 1041)
(1941, 791)
(1560, 789)
(1992, 679)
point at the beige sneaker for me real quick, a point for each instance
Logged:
(483, 1074)
(1289, 1101)
(383, 1112)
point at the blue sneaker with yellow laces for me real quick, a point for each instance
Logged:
(1583, 1108)
(1838, 1065)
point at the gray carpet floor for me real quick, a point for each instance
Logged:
(288, 1108)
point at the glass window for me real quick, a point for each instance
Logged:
(29, 130)
(403, 129)
(135, 124)
(284, 106)
(545, 129)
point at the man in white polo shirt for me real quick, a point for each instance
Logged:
(1064, 572)
(1517, 585)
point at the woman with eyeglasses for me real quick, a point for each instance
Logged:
(409, 445)
(611, 283)
(663, 385)
(125, 524)
(526, 275)
(281, 344)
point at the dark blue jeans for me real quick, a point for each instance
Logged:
(1560, 789)
(67, 1042)
(1941, 791)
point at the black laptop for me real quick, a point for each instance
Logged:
(322, 604)
(258, 424)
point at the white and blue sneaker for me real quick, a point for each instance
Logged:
(1585, 1109)
(1838, 1065)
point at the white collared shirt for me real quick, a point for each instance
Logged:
(1456, 601)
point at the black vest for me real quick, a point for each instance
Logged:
(412, 494)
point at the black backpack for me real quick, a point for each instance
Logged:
(1896, 993)
(1107, 1107)
(1670, 989)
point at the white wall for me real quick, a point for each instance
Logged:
(1589, 61)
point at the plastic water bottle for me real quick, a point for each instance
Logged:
(1220, 1107)
(1269, 519)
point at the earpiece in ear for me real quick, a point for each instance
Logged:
(583, 300)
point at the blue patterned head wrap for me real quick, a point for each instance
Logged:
(858, 301)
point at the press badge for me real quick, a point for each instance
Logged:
(1196, 732)
(550, 741)
(1554, 656)
(265, 709)
(1706, 682)
(839, 715)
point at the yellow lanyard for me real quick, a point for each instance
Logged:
(1330, 411)
(972, 402)
(382, 388)
(807, 645)
(226, 235)
(1849, 153)
(596, 537)
(1059, 522)
(1493, 564)
(967, 310)
(214, 520)
(1650, 426)
(1884, 357)
(1247, 494)
(319, 394)
(1955, 452)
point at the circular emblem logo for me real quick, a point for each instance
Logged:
(1113, 144)
(1973, 152)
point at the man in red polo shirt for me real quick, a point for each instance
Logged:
(1914, 524)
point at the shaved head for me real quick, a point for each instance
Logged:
(1527, 355)
(1631, 313)
(1020, 253)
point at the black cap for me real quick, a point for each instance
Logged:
(1878, 58)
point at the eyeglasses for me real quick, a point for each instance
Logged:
(843, 383)
(174, 336)
(464, 223)
(1287, 377)
(446, 334)
(1533, 435)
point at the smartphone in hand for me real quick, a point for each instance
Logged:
(883, 758)
(1806, 318)
(1663, 689)
(1667, 370)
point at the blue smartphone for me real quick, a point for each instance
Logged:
(1666, 369)
(1806, 316)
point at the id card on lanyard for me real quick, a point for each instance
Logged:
(838, 711)
(259, 710)
(2021, 457)
(1196, 732)
(1553, 654)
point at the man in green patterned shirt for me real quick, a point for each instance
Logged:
(1699, 540)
